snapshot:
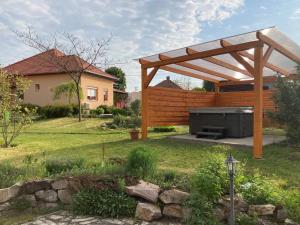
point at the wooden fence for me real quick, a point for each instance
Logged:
(168, 106)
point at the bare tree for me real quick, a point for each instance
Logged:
(78, 56)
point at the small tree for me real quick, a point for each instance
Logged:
(287, 101)
(135, 108)
(13, 117)
(77, 56)
(67, 90)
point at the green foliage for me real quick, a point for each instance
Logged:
(201, 213)
(13, 117)
(57, 166)
(135, 107)
(259, 190)
(118, 72)
(141, 162)
(120, 121)
(117, 111)
(9, 175)
(164, 129)
(57, 111)
(68, 90)
(292, 202)
(208, 86)
(200, 89)
(287, 102)
(244, 219)
(104, 203)
(97, 112)
(211, 179)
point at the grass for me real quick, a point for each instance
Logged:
(67, 138)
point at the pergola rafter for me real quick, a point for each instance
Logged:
(238, 67)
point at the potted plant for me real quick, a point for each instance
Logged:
(135, 119)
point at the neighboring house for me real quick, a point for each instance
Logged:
(120, 98)
(97, 86)
(167, 83)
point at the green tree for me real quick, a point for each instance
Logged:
(67, 90)
(208, 86)
(287, 101)
(13, 117)
(118, 72)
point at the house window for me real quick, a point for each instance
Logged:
(92, 93)
(105, 94)
(37, 87)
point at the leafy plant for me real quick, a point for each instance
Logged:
(287, 102)
(201, 210)
(57, 166)
(141, 162)
(13, 117)
(244, 219)
(68, 90)
(104, 203)
(9, 175)
(259, 190)
(56, 111)
(211, 179)
(164, 129)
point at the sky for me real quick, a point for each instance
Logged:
(141, 27)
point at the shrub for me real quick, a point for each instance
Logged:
(56, 111)
(9, 175)
(121, 121)
(57, 166)
(97, 112)
(164, 129)
(201, 210)
(117, 111)
(258, 190)
(32, 107)
(105, 203)
(141, 162)
(211, 179)
(105, 108)
(244, 219)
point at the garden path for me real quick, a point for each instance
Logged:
(65, 218)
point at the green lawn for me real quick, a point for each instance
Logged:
(64, 138)
(67, 138)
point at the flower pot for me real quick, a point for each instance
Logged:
(134, 134)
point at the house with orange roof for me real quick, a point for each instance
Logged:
(97, 86)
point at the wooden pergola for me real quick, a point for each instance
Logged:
(253, 57)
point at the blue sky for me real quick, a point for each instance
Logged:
(142, 27)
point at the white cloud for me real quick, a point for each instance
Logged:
(139, 27)
(295, 15)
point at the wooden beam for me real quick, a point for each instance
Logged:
(182, 72)
(258, 104)
(265, 79)
(268, 65)
(278, 47)
(205, 54)
(144, 104)
(267, 55)
(221, 63)
(201, 69)
(150, 76)
(238, 58)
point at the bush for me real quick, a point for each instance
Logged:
(211, 179)
(164, 129)
(9, 175)
(141, 162)
(121, 121)
(258, 190)
(32, 107)
(202, 210)
(117, 111)
(244, 219)
(57, 111)
(97, 112)
(57, 166)
(105, 108)
(105, 203)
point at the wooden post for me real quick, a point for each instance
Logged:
(217, 88)
(258, 104)
(144, 103)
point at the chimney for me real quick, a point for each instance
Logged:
(168, 77)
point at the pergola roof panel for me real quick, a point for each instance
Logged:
(284, 55)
